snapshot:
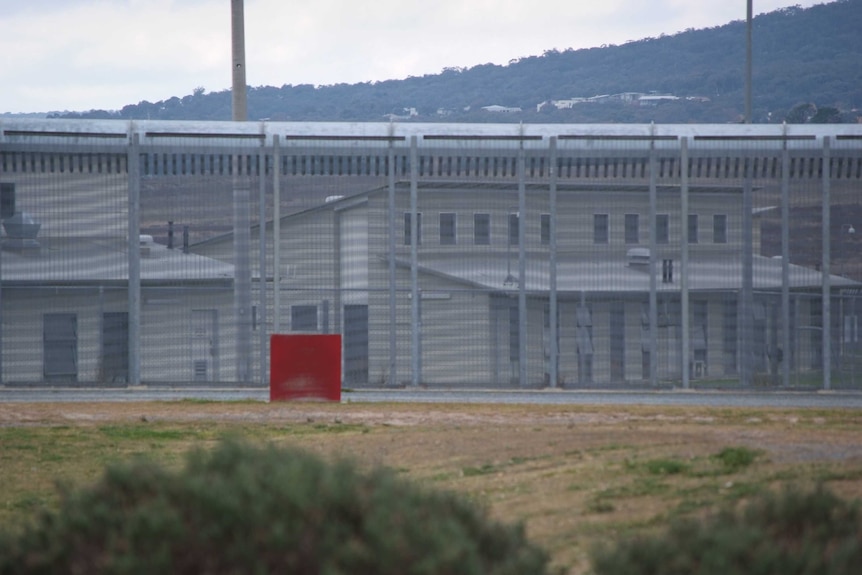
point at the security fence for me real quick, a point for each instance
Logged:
(446, 255)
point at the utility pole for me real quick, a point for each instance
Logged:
(241, 204)
(748, 51)
(238, 91)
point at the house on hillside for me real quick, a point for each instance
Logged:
(501, 109)
(337, 279)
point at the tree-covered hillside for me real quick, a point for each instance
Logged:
(807, 67)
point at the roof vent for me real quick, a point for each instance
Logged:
(638, 257)
(146, 242)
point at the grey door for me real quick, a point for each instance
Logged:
(205, 359)
(355, 342)
(115, 347)
(60, 347)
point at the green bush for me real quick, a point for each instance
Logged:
(244, 509)
(791, 533)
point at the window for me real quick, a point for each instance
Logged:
(513, 229)
(514, 334)
(662, 229)
(600, 228)
(545, 229)
(303, 318)
(585, 344)
(692, 228)
(7, 200)
(632, 229)
(407, 230)
(481, 229)
(447, 229)
(719, 229)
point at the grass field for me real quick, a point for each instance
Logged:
(576, 476)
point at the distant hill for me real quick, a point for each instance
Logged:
(807, 68)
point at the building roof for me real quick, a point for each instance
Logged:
(616, 276)
(96, 261)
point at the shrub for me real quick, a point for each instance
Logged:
(777, 534)
(245, 509)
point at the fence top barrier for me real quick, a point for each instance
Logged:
(233, 134)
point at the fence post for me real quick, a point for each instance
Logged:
(747, 304)
(415, 317)
(261, 239)
(522, 267)
(133, 168)
(393, 303)
(276, 235)
(653, 297)
(554, 327)
(785, 261)
(826, 267)
(686, 328)
(242, 269)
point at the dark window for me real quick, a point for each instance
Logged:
(632, 229)
(447, 229)
(719, 229)
(514, 334)
(407, 230)
(692, 228)
(662, 229)
(600, 228)
(545, 225)
(513, 229)
(303, 318)
(481, 229)
(7, 200)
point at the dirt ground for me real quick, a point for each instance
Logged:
(574, 475)
(788, 435)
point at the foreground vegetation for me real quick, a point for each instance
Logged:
(576, 477)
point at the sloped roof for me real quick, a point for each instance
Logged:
(94, 261)
(616, 276)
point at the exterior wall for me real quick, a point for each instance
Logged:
(165, 331)
(70, 203)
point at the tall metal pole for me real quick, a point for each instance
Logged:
(241, 200)
(238, 91)
(748, 57)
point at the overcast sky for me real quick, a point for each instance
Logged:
(103, 54)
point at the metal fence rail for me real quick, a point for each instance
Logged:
(447, 255)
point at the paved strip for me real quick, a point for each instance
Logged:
(817, 399)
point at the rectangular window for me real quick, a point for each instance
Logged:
(303, 318)
(662, 229)
(692, 228)
(719, 229)
(513, 229)
(632, 229)
(514, 334)
(447, 229)
(407, 230)
(7, 200)
(481, 229)
(600, 228)
(545, 226)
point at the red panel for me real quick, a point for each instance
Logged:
(305, 367)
